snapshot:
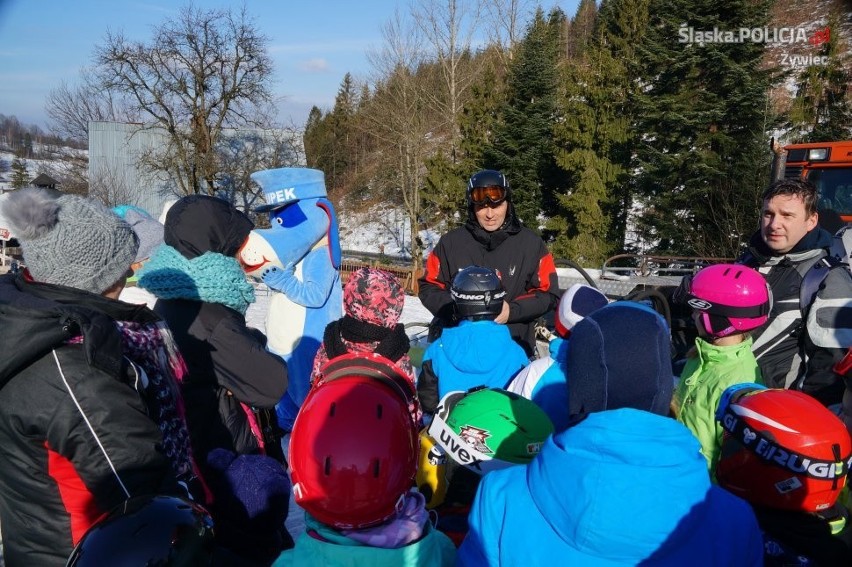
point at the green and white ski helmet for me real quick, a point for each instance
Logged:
(488, 429)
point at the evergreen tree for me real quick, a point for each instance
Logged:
(340, 129)
(580, 30)
(20, 177)
(444, 190)
(316, 139)
(821, 110)
(330, 138)
(446, 181)
(522, 144)
(702, 110)
(594, 132)
(479, 120)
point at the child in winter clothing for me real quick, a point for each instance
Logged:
(798, 508)
(727, 300)
(472, 434)
(89, 409)
(150, 234)
(233, 382)
(544, 381)
(477, 352)
(353, 460)
(372, 303)
(624, 484)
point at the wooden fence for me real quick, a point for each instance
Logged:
(407, 276)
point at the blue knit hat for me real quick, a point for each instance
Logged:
(148, 229)
(578, 301)
(257, 486)
(251, 495)
(619, 356)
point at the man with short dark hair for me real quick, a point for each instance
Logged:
(493, 237)
(797, 346)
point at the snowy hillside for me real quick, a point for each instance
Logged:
(52, 167)
(382, 229)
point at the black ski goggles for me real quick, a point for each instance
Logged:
(492, 195)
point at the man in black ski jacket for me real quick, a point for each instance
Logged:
(798, 345)
(493, 237)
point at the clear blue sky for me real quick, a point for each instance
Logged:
(313, 43)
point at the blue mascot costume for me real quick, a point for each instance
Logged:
(298, 258)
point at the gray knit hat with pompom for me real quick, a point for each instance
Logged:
(69, 240)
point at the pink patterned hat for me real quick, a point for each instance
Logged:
(374, 296)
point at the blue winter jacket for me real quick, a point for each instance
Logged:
(475, 353)
(622, 487)
(544, 382)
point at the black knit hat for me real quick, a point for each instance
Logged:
(197, 224)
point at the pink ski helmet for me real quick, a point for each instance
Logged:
(732, 298)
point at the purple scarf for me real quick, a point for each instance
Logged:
(405, 527)
(152, 348)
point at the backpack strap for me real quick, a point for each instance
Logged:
(812, 281)
(834, 331)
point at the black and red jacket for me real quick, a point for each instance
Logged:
(525, 265)
(75, 436)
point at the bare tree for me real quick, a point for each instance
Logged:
(70, 107)
(71, 170)
(110, 186)
(396, 117)
(449, 27)
(242, 152)
(202, 72)
(506, 18)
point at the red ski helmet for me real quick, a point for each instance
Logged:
(353, 452)
(369, 365)
(731, 298)
(782, 449)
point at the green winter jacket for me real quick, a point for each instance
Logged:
(434, 549)
(702, 382)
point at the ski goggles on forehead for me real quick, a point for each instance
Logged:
(493, 194)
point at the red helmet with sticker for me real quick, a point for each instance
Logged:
(782, 449)
(353, 451)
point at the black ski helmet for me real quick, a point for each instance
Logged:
(487, 178)
(478, 293)
(148, 530)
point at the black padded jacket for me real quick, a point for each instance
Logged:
(75, 436)
(526, 268)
